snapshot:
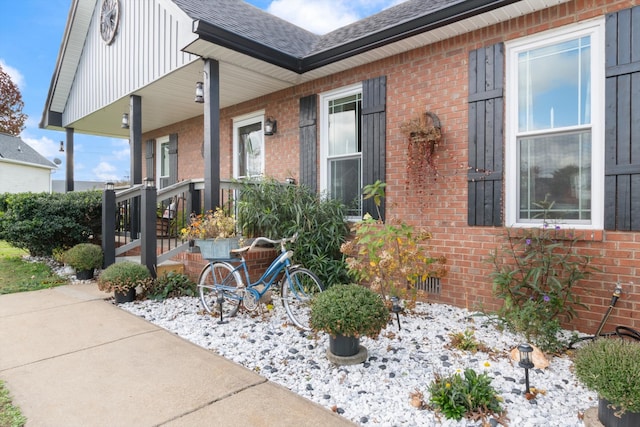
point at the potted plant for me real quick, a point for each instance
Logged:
(346, 313)
(214, 232)
(84, 258)
(122, 278)
(611, 368)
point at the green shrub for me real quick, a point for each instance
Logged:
(42, 222)
(268, 208)
(171, 285)
(349, 310)
(123, 276)
(84, 256)
(470, 395)
(611, 368)
(535, 274)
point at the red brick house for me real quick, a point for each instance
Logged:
(534, 98)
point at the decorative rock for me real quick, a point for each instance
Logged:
(365, 393)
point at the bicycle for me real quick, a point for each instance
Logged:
(222, 287)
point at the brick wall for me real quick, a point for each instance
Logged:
(434, 78)
(257, 262)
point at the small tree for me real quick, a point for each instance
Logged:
(11, 116)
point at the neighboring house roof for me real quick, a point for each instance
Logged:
(14, 149)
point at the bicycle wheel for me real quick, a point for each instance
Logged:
(297, 292)
(220, 277)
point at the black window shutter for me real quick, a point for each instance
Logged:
(486, 134)
(150, 149)
(374, 137)
(308, 142)
(622, 121)
(173, 158)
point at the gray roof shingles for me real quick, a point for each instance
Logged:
(14, 148)
(239, 17)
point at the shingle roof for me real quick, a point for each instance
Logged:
(385, 19)
(240, 26)
(14, 148)
(246, 20)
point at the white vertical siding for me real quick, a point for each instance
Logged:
(146, 47)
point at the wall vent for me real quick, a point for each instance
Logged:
(430, 285)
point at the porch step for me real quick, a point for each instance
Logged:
(170, 266)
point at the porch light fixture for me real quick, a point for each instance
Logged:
(61, 147)
(125, 121)
(109, 186)
(525, 362)
(199, 92)
(149, 183)
(270, 126)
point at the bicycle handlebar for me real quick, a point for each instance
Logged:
(282, 241)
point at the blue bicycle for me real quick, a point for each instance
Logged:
(222, 288)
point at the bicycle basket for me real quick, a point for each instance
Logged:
(217, 248)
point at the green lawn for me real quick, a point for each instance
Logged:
(10, 416)
(18, 275)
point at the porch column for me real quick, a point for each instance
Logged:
(211, 134)
(69, 165)
(135, 138)
(135, 143)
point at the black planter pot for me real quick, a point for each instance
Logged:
(125, 296)
(607, 416)
(84, 274)
(344, 346)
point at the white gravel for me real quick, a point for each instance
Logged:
(401, 362)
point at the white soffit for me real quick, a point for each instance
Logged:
(71, 50)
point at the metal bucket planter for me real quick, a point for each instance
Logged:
(217, 248)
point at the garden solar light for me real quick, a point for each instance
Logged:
(525, 362)
(395, 308)
(219, 301)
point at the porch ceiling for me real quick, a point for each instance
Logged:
(242, 77)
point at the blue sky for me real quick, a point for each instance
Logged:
(30, 36)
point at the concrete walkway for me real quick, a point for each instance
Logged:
(69, 358)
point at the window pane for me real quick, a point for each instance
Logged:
(250, 146)
(554, 86)
(557, 167)
(344, 125)
(164, 159)
(345, 184)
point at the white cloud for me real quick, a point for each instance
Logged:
(16, 76)
(43, 145)
(121, 149)
(106, 172)
(323, 16)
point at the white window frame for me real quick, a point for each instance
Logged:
(325, 98)
(159, 142)
(595, 29)
(246, 120)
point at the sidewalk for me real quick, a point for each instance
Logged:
(71, 359)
